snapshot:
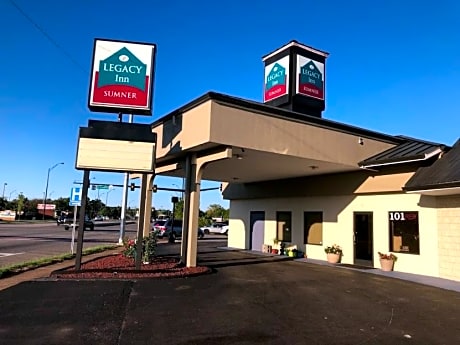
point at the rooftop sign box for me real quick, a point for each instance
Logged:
(276, 79)
(122, 77)
(295, 78)
(116, 147)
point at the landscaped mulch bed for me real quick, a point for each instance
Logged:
(121, 267)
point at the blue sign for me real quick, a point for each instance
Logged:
(75, 196)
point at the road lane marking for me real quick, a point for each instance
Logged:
(9, 254)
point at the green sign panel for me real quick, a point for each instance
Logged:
(103, 186)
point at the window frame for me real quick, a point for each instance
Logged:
(411, 231)
(306, 232)
(288, 220)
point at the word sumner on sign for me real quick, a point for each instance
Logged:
(122, 77)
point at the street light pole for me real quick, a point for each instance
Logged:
(9, 198)
(46, 189)
(107, 195)
(3, 194)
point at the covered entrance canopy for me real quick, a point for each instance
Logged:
(266, 143)
(227, 139)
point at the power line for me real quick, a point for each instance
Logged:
(44, 33)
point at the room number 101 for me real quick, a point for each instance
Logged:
(397, 216)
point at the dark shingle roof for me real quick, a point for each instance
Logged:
(409, 151)
(444, 173)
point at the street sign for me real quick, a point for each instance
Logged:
(75, 196)
(103, 186)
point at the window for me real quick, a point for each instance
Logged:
(313, 228)
(404, 232)
(283, 224)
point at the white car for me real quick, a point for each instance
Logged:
(216, 228)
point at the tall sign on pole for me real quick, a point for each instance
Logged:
(122, 77)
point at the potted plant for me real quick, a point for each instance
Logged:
(275, 244)
(334, 253)
(387, 261)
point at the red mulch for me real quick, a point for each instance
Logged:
(121, 267)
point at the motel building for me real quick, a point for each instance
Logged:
(311, 182)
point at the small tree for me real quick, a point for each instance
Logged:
(21, 201)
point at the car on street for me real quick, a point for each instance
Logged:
(164, 229)
(64, 219)
(89, 224)
(158, 225)
(216, 228)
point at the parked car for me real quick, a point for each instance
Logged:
(216, 228)
(88, 224)
(159, 225)
(164, 229)
(98, 218)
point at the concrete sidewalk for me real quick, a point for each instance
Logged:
(416, 278)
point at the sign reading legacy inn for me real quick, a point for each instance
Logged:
(276, 79)
(122, 77)
(310, 77)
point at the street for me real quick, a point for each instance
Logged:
(21, 242)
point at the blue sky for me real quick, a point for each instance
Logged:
(393, 68)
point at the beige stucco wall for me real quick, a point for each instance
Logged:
(259, 132)
(449, 236)
(172, 135)
(338, 225)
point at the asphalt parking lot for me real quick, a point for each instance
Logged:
(248, 299)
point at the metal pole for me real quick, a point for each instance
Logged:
(124, 200)
(81, 225)
(3, 194)
(46, 193)
(186, 205)
(46, 189)
(74, 225)
(140, 222)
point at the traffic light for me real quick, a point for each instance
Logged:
(220, 187)
(155, 188)
(133, 187)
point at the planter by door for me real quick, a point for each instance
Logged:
(386, 265)
(333, 258)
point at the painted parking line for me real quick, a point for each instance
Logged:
(9, 254)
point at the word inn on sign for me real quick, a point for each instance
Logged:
(110, 67)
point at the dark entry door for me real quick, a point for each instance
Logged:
(363, 236)
(257, 230)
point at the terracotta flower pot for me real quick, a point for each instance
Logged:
(333, 258)
(386, 265)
